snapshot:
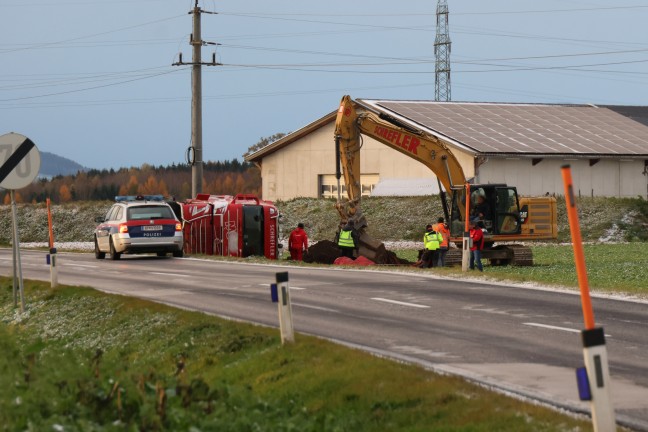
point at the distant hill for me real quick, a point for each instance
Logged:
(53, 165)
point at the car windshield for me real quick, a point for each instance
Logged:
(149, 212)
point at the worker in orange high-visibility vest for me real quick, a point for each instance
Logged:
(442, 228)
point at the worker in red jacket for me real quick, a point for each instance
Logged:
(477, 237)
(297, 242)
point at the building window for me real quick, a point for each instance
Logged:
(328, 185)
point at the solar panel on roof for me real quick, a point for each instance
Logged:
(520, 128)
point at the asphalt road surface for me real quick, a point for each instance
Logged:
(522, 340)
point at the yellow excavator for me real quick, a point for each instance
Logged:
(505, 216)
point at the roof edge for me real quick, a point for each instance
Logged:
(290, 138)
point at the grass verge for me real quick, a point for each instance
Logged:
(81, 360)
(611, 268)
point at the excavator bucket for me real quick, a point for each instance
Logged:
(375, 250)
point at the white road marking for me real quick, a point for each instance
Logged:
(400, 303)
(315, 307)
(566, 329)
(70, 264)
(292, 287)
(169, 274)
(553, 327)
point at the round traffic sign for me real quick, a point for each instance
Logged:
(19, 161)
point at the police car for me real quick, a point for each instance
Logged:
(138, 224)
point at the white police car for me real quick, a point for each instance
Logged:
(138, 224)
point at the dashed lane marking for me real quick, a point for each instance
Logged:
(315, 307)
(291, 287)
(565, 329)
(400, 303)
(169, 274)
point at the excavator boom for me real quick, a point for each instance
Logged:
(425, 148)
(354, 120)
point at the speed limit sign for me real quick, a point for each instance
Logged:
(19, 161)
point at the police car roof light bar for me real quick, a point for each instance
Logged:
(128, 198)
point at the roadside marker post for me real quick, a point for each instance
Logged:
(51, 257)
(18, 286)
(19, 166)
(465, 257)
(596, 383)
(280, 294)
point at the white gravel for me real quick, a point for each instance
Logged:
(84, 246)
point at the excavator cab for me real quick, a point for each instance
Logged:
(495, 206)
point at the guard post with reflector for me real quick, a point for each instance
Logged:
(280, 294)
(594, 385)
(51, 256)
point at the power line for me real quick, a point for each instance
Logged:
(87, 88)
(415, 14)
(40, 45)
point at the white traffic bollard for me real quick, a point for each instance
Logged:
(598, 374)
(465, 256)
(53, 268)
(281, 295)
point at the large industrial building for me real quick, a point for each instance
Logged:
(523, 145)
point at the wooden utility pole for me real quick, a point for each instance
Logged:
(195, 151)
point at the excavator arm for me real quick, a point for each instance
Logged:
(425, 148)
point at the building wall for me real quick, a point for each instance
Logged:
(608, 177)
(294, 170)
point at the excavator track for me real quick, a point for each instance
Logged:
(513, 254)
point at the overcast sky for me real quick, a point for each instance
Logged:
(93, 81)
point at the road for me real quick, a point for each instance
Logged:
(520, 340)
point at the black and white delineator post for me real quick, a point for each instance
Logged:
(598, 379)
(280, 293)
(51, 257)
(19, 166)
(595, 386)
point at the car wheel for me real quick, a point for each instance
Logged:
(178, 254)
(98, 253)
(113, 254)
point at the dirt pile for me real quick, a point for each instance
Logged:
(326, 252)
(322, 252)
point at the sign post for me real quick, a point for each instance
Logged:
(19, 165)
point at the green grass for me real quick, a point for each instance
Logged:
(616, 268)
(80, 360)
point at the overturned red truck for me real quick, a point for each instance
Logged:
(225, 225)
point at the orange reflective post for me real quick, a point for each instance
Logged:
(467, 221)
(579, 255)
(49, 223)
(465, 256)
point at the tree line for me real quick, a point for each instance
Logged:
(219, 178)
